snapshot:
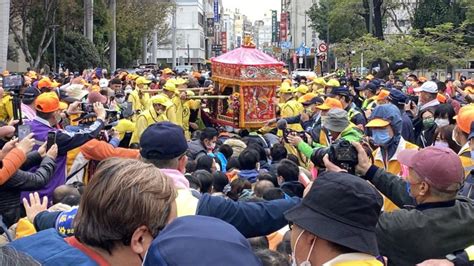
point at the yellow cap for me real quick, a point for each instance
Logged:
(377, 122)
(287, 89)
(180, 81)
(161, 99)
(303, 89)
(320, 81)
(142, 80)
(333, 83)
(190, 93)
(167, 71)
(170, 86)
(307, 97)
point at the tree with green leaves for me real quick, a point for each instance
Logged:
(431, 13)
(77, 52)
(31, 26)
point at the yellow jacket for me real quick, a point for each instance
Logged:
(292, 108)
(179, 110)
(6, 108)
(144, 120)
(393, 167)
(465, 156)
(138, 103)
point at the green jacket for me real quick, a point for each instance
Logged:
(351, 133)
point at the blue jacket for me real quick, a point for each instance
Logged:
(49, 248)
(250, 218)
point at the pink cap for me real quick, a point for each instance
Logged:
(440, 167)
(95, 97)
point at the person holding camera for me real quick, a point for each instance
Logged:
(435, 176)
(336, 126)
(386, 127)
(48, 111)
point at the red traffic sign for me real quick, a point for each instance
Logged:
(322, 48)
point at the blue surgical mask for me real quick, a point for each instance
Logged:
(381, 136)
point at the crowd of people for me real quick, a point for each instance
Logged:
(126, 168)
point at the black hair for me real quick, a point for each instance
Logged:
(259, 242)
(273, 194)
(205, 178)
(233, 163)
(71, 200)
(204, 162)
(116, 81)
(236, 187)
(208, 133)
(269, 177)
(226, 150)
(443, 110)
(413, 76)
(248, 159)
(194, 183)
(293, 158)
(191, 166)
(261, 151)
(288, 170)
(441, 86)
(278, 152)
(219, 181)
(45, 116)
(272, 258)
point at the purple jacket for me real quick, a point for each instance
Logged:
(66, 141)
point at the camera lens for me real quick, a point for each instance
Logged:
(317, 157)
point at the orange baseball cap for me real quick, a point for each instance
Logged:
(49, 102)
(45, 83)
(330, 103)
(377, 122)
(383, 94)
(441, 98)
(465, 117)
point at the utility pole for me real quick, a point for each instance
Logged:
(173, 35)
(113, 37)
(371, 16)
(328, 66)
(305, 42)
(154, 46)
(89, 19)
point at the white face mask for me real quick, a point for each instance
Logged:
(293, 256)
(441, 122)
(120, 99)
(441, 144)
(211, 147)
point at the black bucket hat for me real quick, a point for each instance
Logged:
(343, 209)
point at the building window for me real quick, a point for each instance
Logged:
(200, 19)
(201, 42)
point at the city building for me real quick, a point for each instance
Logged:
(263, 28)
(228, 22)
(298, 23)
(399, 20)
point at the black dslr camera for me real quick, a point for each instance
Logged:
(341, 153)
(287, 132)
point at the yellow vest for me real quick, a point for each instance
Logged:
(6, 108)
(393, 167)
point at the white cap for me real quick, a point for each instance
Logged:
(429, 86)
(103, 83)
